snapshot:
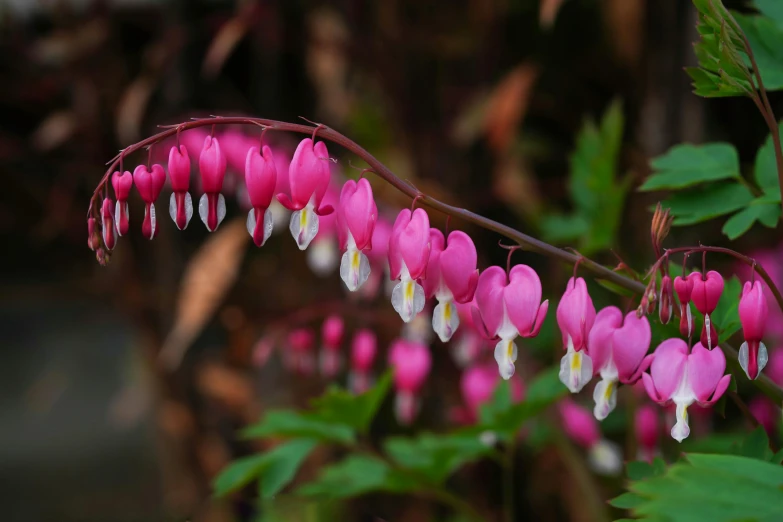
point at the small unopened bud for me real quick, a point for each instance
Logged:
(103, 256)
(660, 226)
(93, 237)
(665, 300)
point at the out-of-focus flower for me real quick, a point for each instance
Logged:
(411, 362)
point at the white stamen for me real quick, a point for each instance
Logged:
(506, 356)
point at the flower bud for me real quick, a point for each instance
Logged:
(665, 300)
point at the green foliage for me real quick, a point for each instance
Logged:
(688, 165)
(344, 408)
(596, 192)
(290, 423)
(766, 40)
(357, 475)
(275, 468)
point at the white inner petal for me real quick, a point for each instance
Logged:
(605, 397)
(408, 296)
(304, 226)
(445, 319)
(354, 266)
(576, 368)
(505, 356)
(605, 458)
(322, 256)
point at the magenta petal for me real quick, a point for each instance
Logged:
(668, 366)
(684, 288)
(122, 184)
(489, 298)
(720, 389)
(576, 313)
(707, 291)
(411, 362)
(413, 242)
(324, 210)
(540, 317)
(432, 281)
(357, 212)
(286, 201)
(649, 386)
(522, 297)
(477, 322)
(579, 424)
(643, 366)
(395, 255)
(212, 166)
(705, 369)
(459, 261)
(260, 176)
(179, 168)
(631, 343)
(753, 311)
(607, 321)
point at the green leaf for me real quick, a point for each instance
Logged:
(739, 223)
(626, 501)
(357, 411)
(765, 171)
(282, 463)
(706, 203)
(275, 468)
(289, 423)
(560, 228)
(772, 9)
(356, 475)
(639, 470)
(238, 473)
(435, 457)
(687, 165)
(766, 40)
(756, 445)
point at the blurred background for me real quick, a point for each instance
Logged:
(478, 102)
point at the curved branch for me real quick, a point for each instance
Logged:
(528, 242)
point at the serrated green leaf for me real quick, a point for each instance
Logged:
(694, 206)
(687, 165)
(765, 170)
(766, 40)
(357, 475)
(357, 411)
(282, 463)
(626, 501)
(289, 423)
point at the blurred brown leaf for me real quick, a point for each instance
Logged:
(209, 275)
(548, 12)
(132, 107)
(55, 130)
(224, 42)
(226, 385)
(507, 105)
(625, 20)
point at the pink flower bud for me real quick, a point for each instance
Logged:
(356, 216)
(299, 356)
(665, 300)
(93, 238)
(180, 204)
(411, 362)
(478, 384)
(617, 348)
(409, 250)
(508, 308)
(578, 424)
(261, 179)
(753, 313)
(767, 413)
(107, 224)
(684, 288)
(149, 183)
(212, 167)
(332, 331)
(682, 378)
(647, 428)
(575, 317)
(706, 294)
(363, 350)
(122, 184)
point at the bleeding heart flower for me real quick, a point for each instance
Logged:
(604, 457)
(308, 178)
(356, 218)
(122, 184)
(575, 317)
(753, 313)
(149, 182)
(617, 348)
(509, 307)
(180, 204)
(212, 166)
(647, 427)
(684, 288)
(479, 382)
(299, 355)
(665, 300)
(451, 276)
(411, 362)
(682, 378)
(107, 224)
(706, 294)
(363, 350)
(331, 337)
(409, 251)
(260, 179)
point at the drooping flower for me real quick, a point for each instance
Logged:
(331, 337)
(451, 276)
(706, 294)
(93, 238)
(122, 183)
(479, 382)
(647, 427)
(180, 204)
(308, 178)
(299, 355)
(411, 362)
(107, 224)
(665, 300)
(323, 254)
(260, 179)
(149, 182)
(603, 456)
(575, 317)
(363, 350)
(509, 307)
(682, 378)
(356, 218)
(379, 259)
(684, 288)
(468, 343)
(617, 348)
(409, 250)
(753, 313)
(212, 166)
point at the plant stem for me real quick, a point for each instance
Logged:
(454, 502)
(530, 243)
